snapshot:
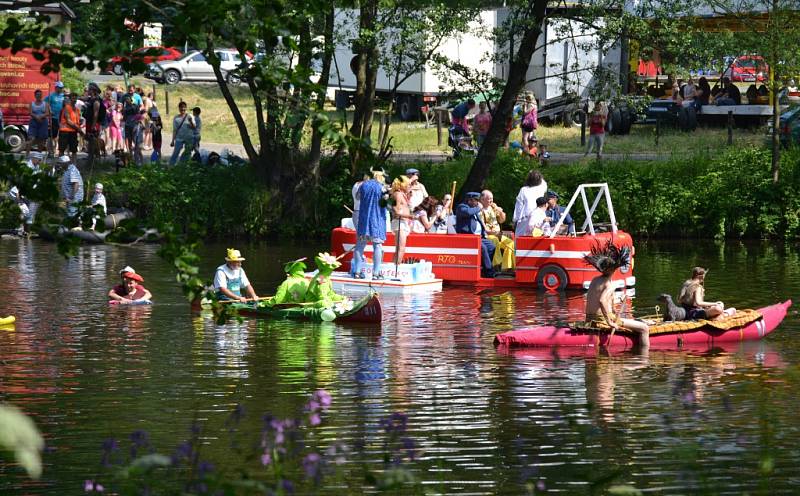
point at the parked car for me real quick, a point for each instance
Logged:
(148, 55)
(747, 69)
(193, 66)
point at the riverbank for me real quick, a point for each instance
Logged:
(708, 195)
(415, 138)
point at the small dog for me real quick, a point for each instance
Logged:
(100, 149)
(672, 312)
(121, 159)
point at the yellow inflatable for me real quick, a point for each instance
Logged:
(8, 320)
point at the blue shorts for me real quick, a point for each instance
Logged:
(38, 129)
(695, 313)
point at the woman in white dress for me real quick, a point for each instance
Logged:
(535, 187)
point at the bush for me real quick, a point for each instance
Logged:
(731, 195)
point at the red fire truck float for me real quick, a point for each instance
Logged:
(20, 77)
(552, 262)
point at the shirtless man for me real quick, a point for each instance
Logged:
(600, 297)
(401, 215)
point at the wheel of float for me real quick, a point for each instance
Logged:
(626, 122)
(552, 278)
(614, 123)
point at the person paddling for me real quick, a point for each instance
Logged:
(230, 281)
(600, 296)
(131, 289)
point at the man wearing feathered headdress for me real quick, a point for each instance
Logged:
(600, 298)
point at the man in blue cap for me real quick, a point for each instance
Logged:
(468, 221)
(417, 189)
(555, 211)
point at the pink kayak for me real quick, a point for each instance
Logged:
(765, 321)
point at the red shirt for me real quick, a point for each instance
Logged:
(597, 124)
(482, 123)
(122, 291)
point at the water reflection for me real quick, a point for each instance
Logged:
(488, 420)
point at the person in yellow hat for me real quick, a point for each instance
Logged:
(230, 281)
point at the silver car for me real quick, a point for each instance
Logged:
(193, 66)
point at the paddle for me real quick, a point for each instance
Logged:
(397, 251)
(452, 197)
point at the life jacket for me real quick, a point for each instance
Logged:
(73, 114)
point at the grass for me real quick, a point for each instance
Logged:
(414, 137)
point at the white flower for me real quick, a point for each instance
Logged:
(343, 306)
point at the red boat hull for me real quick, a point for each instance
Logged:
(456, 258)
(773, 315)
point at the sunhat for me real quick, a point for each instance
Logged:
(234, 256)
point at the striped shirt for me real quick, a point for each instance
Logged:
(72, 175)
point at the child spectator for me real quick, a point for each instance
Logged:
(155, 131)
(138, 138)
(597, 130)
(197, 125)
(482, 122)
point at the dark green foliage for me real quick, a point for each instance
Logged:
(730, 195)
(226, 201)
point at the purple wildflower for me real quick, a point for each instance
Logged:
(90, 486)
(411, 448)
(323, 397)
(540, 485)
(311, 465)
(287, 486)
(109, 448)
(266, 459)
(314, 419)
(204, 468)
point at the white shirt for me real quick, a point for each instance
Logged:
(525, 206)
(418, 193)
(224, 273)
(99, 199)
(356, 196)
(537, 221)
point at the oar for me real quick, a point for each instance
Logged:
(348, 209)
(247, 300)
(452, 197)
(397, 251)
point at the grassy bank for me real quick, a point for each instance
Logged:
(709, 195)
(414, 137)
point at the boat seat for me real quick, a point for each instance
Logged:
(739, 319)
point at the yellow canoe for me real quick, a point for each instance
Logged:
(8, 320)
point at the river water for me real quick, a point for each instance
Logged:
(720, 421)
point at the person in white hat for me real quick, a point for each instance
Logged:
(230, 281)
(98, 199)
(71, 185)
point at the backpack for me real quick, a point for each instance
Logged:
(529, 121)
(88, 111)
(128, 107)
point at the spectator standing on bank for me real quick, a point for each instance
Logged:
(131, 104)
(155, 132)
(39, 125)
(197, 127)
(182, 135)
(482, 122)
(597, 130)
(55, 101)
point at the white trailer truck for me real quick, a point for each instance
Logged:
(561, 71)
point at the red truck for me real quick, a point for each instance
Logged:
(20, 76)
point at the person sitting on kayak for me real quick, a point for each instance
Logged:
(230, 281)
(600, 296)
(129, 291)
(692, 297)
